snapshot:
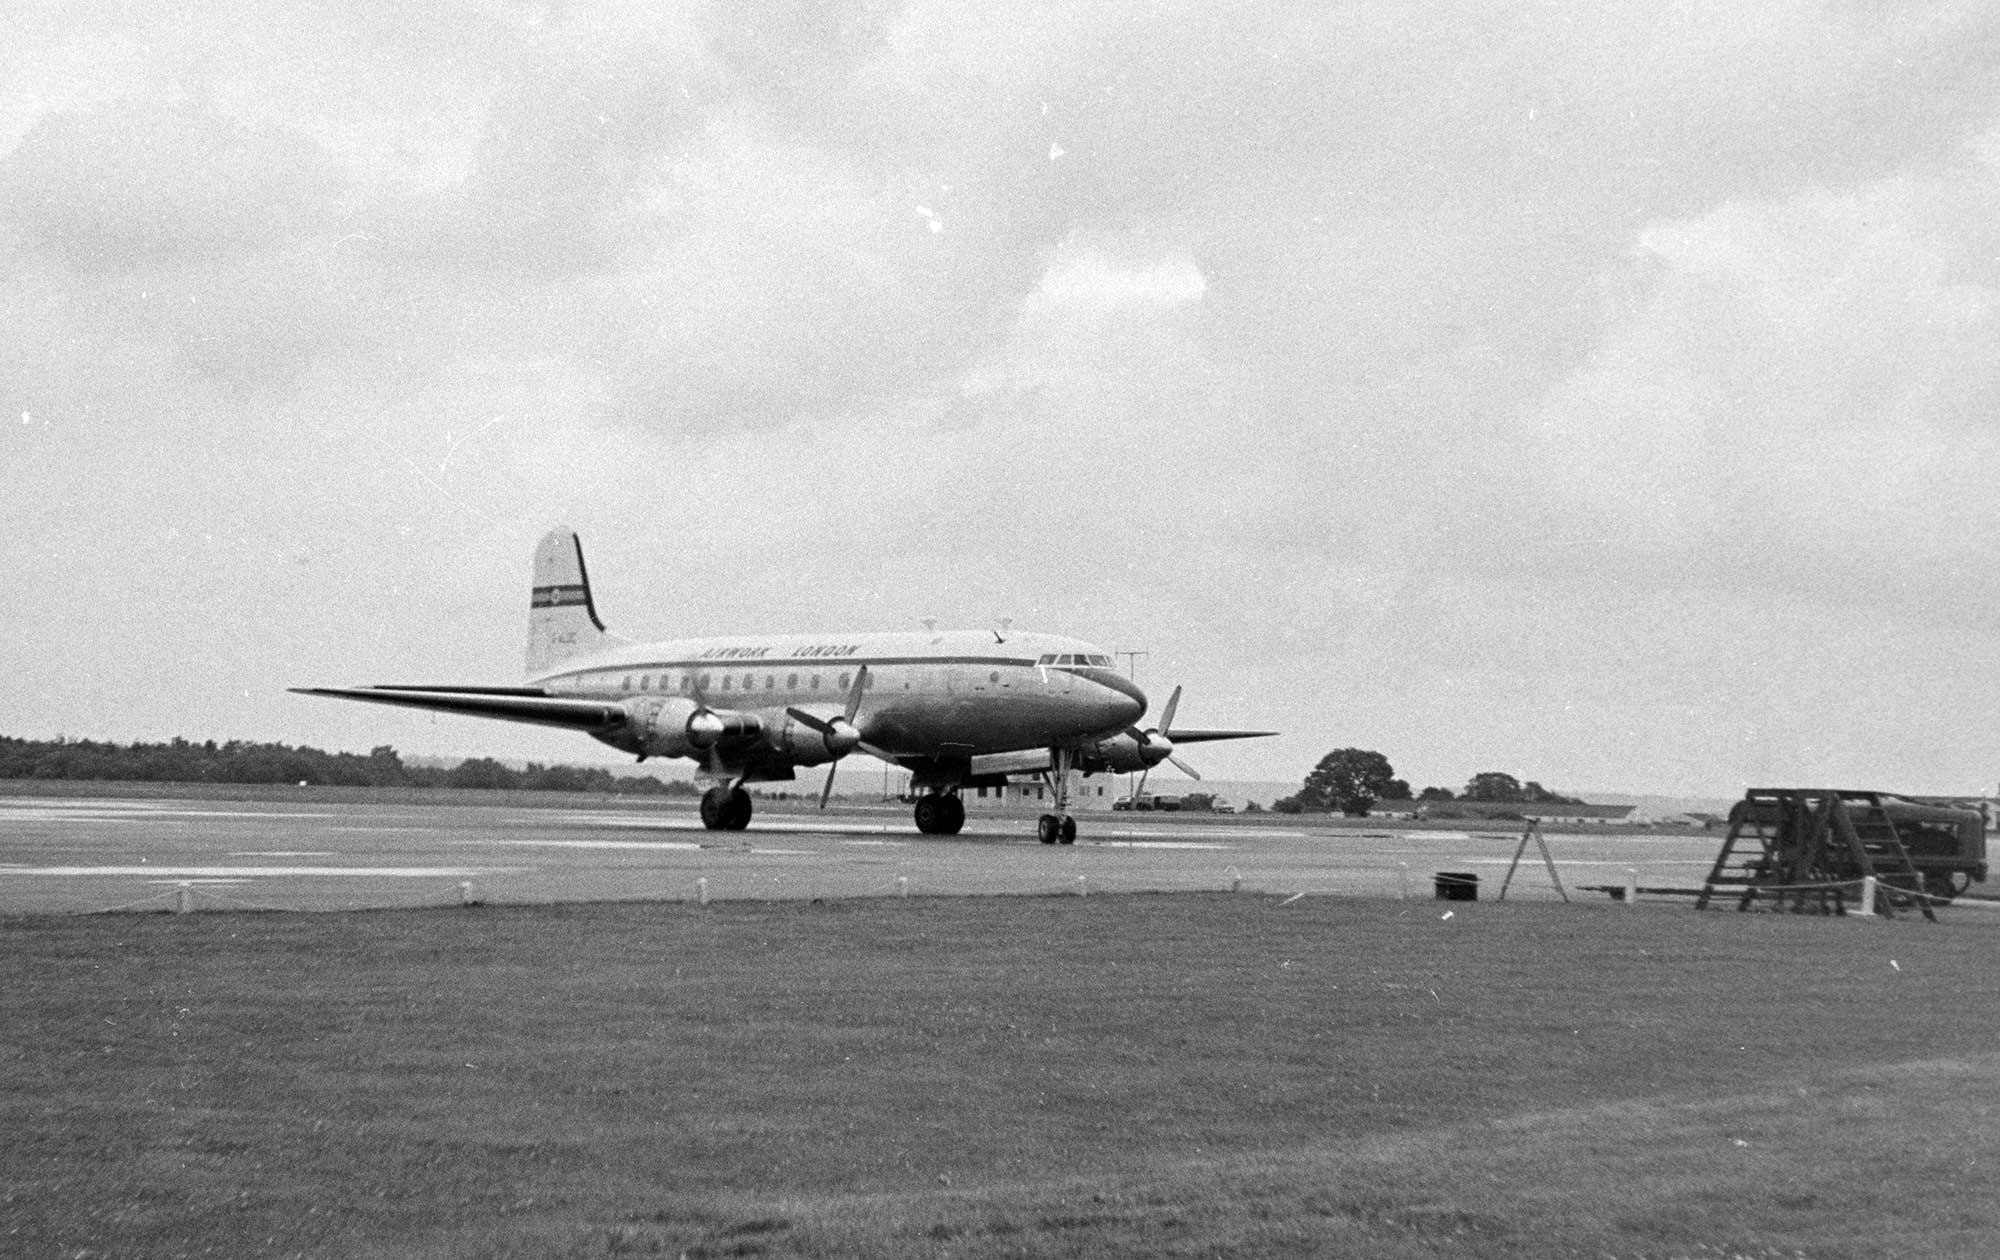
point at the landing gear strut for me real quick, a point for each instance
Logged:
(725, 808)
(940, 813)
(1059, 827)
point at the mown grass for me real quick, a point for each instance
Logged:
(1139, 1076)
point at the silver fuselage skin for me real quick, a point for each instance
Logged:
(957, 694)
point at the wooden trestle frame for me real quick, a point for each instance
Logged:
(1809, 849)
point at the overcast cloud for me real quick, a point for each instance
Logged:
(1607, 393)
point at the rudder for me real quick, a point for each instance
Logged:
(562, 619)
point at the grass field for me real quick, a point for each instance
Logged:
(1110, 1076)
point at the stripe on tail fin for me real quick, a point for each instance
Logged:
(562, 618)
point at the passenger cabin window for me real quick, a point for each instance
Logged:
(628, 682)
(725, 682)
(791, 682)
(844, 681)
(749, 682)
(815, 685)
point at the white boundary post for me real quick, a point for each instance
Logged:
(1868, 895)
(1631, 885)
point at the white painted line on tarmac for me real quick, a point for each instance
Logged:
(264, 872)
(286, 853)
(1155, 844)
(674, 845)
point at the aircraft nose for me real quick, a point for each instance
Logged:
(1125, 704)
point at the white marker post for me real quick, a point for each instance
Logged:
(902, 885)
(1082, 886)
(184, 898)
(1402, 881)
(701, 890)
(1631, 885)
(1868, 895)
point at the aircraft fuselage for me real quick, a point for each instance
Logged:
(959, 694)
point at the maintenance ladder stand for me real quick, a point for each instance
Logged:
(1808, 848)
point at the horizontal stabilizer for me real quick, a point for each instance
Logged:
(512, 704)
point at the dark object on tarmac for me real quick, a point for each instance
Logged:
(1457, 886)
(1810, 848)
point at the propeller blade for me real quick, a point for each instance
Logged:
(803, 718)
(1184, 767)
(1166, 726)
(826, 792)
(854, 695)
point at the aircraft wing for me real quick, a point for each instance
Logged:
(513, 704)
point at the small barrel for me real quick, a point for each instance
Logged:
(1456, 886)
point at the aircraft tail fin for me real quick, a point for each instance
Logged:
(562, 619)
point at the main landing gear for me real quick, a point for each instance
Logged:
(725, 808)
(1055, 829)
(940, 813)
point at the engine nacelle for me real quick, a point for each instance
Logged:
(806, 746)
(1124, 754)
(679, 727)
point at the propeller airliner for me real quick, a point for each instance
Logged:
(956, 709)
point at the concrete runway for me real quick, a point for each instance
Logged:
(70, 855)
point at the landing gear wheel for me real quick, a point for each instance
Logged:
(940, 814)
(1068, 830)
(725, 809)
(1047, 828)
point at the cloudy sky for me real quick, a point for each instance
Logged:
(1604, 392)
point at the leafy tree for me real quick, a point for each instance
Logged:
(1435, 794)
(1350, 780)
(1492, 785)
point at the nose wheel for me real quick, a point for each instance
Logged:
(1055, 829)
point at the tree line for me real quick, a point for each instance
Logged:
(243, 761)
(1353, 781)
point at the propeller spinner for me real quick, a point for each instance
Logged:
(1157, 745)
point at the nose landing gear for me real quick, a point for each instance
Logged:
(1059, 827)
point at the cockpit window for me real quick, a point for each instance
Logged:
(1048, 658)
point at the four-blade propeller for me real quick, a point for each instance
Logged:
(840, 734)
